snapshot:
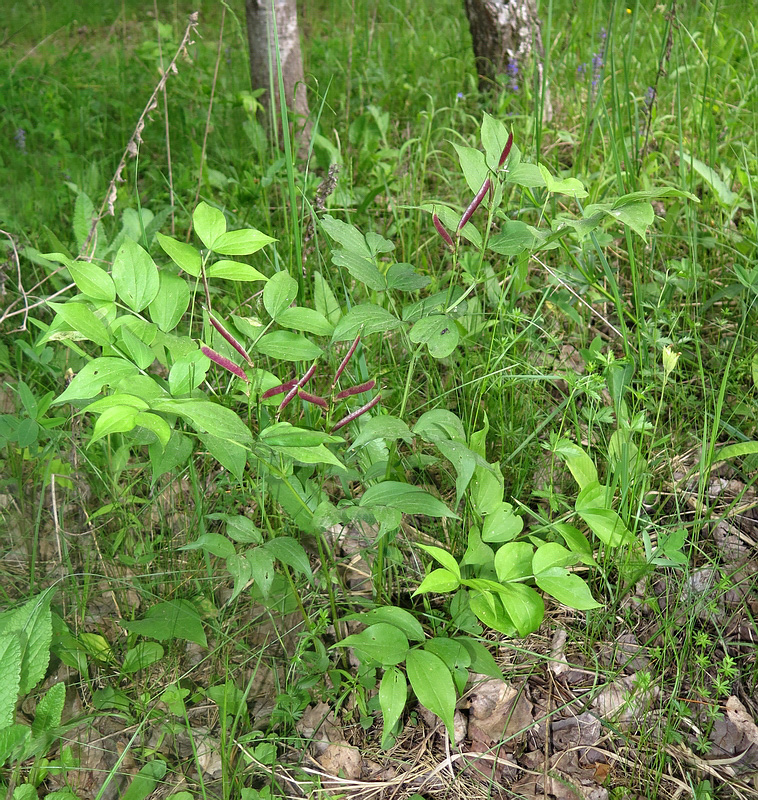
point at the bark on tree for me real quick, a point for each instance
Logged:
(262, 40)
(505, 33)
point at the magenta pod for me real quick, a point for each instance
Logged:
(224, 362)
(345, 360)
(357, 413)
(475, 203)
(353, 390)
(229, 338)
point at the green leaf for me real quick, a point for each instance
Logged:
(439, 581)
(494, 139)
(176, 453)
(382, 427)
(289, 552)
(283, 434)
(135, 348)
(135, 275)
(404, 278)
(172, 301)
(381, 642)
(638, 216)
(145, 781)
(513, 561)
(81, 318)
(515, 237)
(116, 419)
(576, 541)
(392, 615)
(524, 606)
(213, 543)
(570, 186)
(432, 682)
(438, 332)
(184, 255)
(242, 529)
(262, 569)
(241, 243)
(443, 557)
(581, 465)
(724, 194)
(172, 619)
(156, 425)
(406, 498)
(33, 621)
(234, 271)
(84, 215)
(47, 715)
(501, 524)
(487, 485)
(739, 450)
(92, 280)
(550, 555)
(482, 660)
(361, 268)
(239, 568)
(287, 346)
(324, 300)
(393, 695)
(208, 417)
(209, 224)
(568, 589)
(305, 319)
(440, 423)
(473, 165)
(230, 455)
(188, 372)
(477, 553)
(346, 235)
(364, 319)
(604, 522)
(279, 293)
(12, 740)
(10, 676)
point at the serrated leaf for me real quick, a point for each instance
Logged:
(10, 676)
(33, 621)
(47, 715)
(393, 695)
(433, 685)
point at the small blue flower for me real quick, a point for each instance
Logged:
(649, 96)
(460, 95)
(20, 138)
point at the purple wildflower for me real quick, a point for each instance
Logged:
(20, 138)
(460, 96)
(650, 96)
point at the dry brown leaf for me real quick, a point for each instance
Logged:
(342, 760)
(498, 712)
(738, 715)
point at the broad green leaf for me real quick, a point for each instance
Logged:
(229, 454)
(135, 275)
(242, 529)
(364, 319)
(406, 498)
(454, 656)
(550, 555)
(443, 557)
(524, 606)
(234, 271)
(174, 696)
(213, 543)
(176, 453)
(171, 619)
(361, 268)
(262, 568)
(287, 346)
(47, 715)
(289, 552)
(380, 642)
(13, 739)
(283, 434)
(581, 465)
(92, 280)
(568, 589)
(515, 237)
(438, 332)
(208, 417)
(604, 522)
(570, 186)
(501, 524)
(172, 301)
(156, 425)
(241, 243)
(740, 450)
(25, 791)
(33, 621)
(324, 299)
(209, 224)
(84, 215)
(239, 568)
(184, 255)
(393, 695)
(188, 372)
(477, 552)
(433, 685)
(513, 561)
(494, 139)
(473, 165)
(10, 676)
(279, 293)
(725, 195)
(438, 423)
(145, 781)
(576, 541)
(82, 319)
(638, 216)
(487, 485)
(135, 348)
(392, 615)
(482, 660)
(404, 278)
(346, 235)
(305, 319)
(382, 427)
(116, 419)
(440, 581)
(118, 399)
(311, 455)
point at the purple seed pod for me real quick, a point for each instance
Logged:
(224, 362)
(353, 390)
(447, 238)
(475, 203)
(280, 389)
(353, 415)
(312, 398)
(345, 360)
(229, 338)
(308, 375)
(506, 150)
(294, 390)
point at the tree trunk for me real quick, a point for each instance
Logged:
(506, 33)
(262, 39)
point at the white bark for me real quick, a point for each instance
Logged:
(262, 39)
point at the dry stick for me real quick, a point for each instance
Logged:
(208, 119)
(136, 137)
(166, 125)
(25, 309)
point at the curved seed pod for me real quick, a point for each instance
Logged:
(280, 389)
(224, 362)
(353, 415)
(345, 360)
(308, 375)
(293, 391)
(447, 238)
(506, 150)
(312, 398)
(229, 338)
(360, 389)
(475, 203)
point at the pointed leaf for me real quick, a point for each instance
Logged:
(433, 685)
